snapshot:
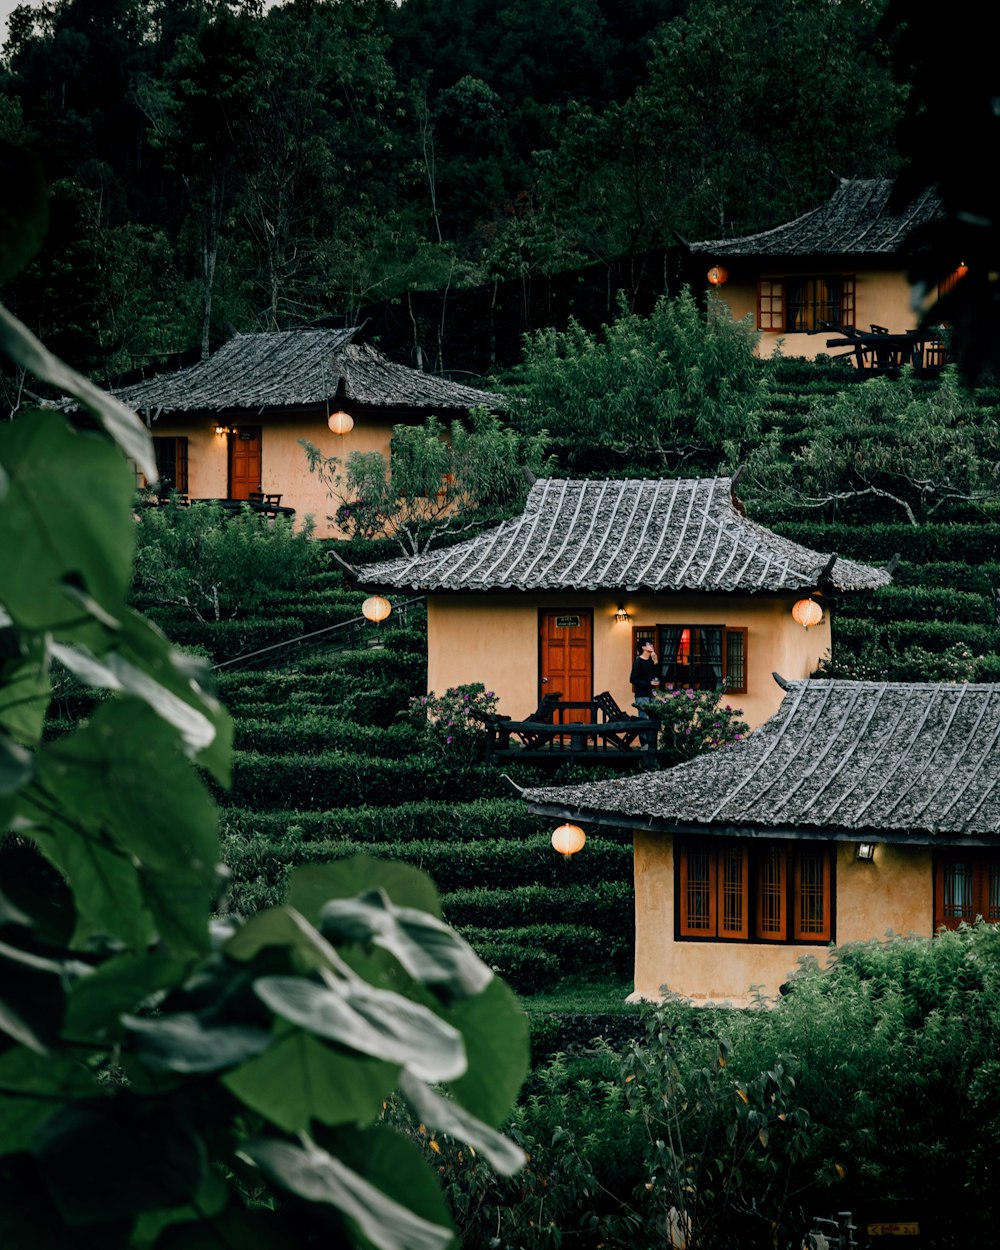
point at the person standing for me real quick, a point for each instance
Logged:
(645, 677)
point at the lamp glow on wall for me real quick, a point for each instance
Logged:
(807, 612)
(340, 422)
(717, 275)
(222, 429)
(375, 609)
(568, 839)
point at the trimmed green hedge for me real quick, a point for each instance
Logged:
(874, 544)
(607, 905)
(341, 778)
(432, 821)
(917, 603)
(312, 733)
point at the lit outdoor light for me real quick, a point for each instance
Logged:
(866, 851)
(375, 609)
(621, 614)
(340, 422)
(568, 839)
(717, 275)
(807, 612)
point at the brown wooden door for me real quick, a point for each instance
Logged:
(244, 461)
(567, 657)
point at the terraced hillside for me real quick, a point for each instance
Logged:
(325, 767)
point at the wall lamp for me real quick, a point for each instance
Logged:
(621, 614)
(222, 429)
(865, 852)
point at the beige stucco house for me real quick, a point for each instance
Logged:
(560, 598)
(844, 262)
(230, 425)
(754, 855)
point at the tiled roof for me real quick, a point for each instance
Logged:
(291, 367)
(916, 762)
(681, 534)
(856, 221)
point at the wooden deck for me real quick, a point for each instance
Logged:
(595, 731)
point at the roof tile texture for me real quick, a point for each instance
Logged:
(841, 756)
(856, 221)
(293, 367)
(679, 534)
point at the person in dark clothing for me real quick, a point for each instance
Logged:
(645, 677)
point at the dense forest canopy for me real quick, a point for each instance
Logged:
(214, 165)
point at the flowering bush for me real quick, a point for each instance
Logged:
(449, 723)
(693, 721)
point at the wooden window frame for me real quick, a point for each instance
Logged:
(774, 883)
(161, 442)
(983, 865)
(773, 303)
(730, 634)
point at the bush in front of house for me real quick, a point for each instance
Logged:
(694, 721)
(452, 724)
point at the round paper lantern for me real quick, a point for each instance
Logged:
(376, 609)
(340, 422)
(568, 839)
(717, 275)
(807, 612)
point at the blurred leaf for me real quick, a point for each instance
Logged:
(117, 986)
(42, 547)
(310, 887)
(317, 1176)
(110, 1159)
(300, 1079)
(428, 949)
(375, 1022)
(16, 767)
(120, 422)
(445, 1116)
(30, 1086)
(495, 1030)
(183, 1042)
(25, 688)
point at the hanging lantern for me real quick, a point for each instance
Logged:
(807, 612)
(621, 614)
(568, 839)
(340, 422)
(717, 275)
(375, 609)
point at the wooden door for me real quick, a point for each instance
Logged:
(567, 657)
(244, 461)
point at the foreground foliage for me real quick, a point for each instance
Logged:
(867, 1088)
(168, 1080)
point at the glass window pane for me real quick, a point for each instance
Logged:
(770, 912)
(698, 900)
(812, 893)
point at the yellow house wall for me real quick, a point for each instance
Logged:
(893, 894)
(882, 298)
(284, 469)
(493, 638)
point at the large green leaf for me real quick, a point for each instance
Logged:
(393, 1163)
(122, 775)
(25, 687)
(16, 766)
(318, 1176)
(120, 422)
(255, 1229)
(300, 1079)
(116, 987)
(114, 1157)
(310, 887)
(447, 1116)
(184, 1042)
(73, 526)
(428, 949)
(495, 1030)
(374, 1022)
(24, 208)
(31, 1085)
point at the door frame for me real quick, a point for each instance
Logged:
(574, 611)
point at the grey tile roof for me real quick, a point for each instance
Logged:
(680, 534)
(292, 367)
(855, 221)
(916, 762)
